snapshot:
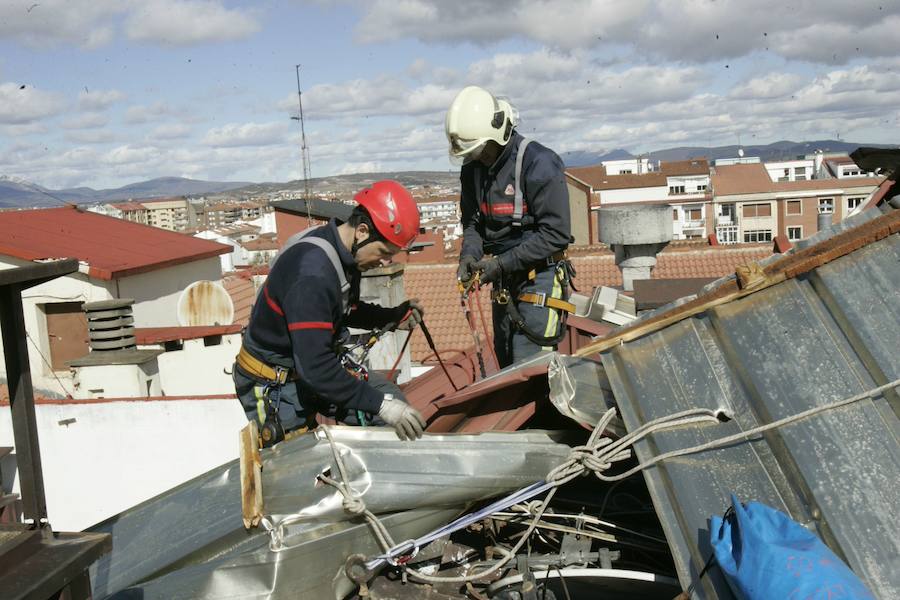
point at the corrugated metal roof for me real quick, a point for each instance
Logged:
(827, 333)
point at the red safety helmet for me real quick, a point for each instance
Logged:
(393, 211)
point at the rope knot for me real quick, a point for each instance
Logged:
(353, 505)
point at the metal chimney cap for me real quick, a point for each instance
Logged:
(107, 304)
(634, 225)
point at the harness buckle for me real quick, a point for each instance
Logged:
(542, 299)
(281, 374)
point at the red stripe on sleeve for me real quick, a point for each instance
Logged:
(310, 325)
(271, 302)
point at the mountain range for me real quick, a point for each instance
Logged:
(18, 193)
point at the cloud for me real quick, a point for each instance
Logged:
(99, 22)
(89, 120)
(141, 113)
(50, 22)
(91, 136)
(773, 85)
(575, 24)
(98, 99)
(672, 30)
(384, 95)
(171, 131)
(247, 134)
(186, 22)
(22, 103)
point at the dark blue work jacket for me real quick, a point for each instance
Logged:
(487, 203)
(298, 318)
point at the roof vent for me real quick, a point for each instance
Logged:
(636, 234)
(111, 324)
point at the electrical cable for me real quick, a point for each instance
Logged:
(597, 456)
(66, 392)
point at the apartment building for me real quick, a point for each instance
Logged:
(167, 213)
(749, 207)
(439, 210)
(738, 200)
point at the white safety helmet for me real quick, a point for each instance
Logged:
(476, 117)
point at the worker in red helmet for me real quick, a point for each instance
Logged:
(289, 368)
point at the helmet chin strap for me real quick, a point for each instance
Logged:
(357, 245)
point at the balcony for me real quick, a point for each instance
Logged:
(724, 220)
(694, 224)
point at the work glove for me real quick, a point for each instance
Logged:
(416, 312)
(466, 270)
(405, 420)
(490, 270)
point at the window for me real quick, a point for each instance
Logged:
(793, 207)
(625, 172)
(676, 189)
(826, 206)
(757, 235)
(854, 202)
(693, 214)
(795, 234)
(800, 170)
(674, 214)
(727, 235)
(701, 187)
(757, 210)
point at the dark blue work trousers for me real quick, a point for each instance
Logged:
(296, 410)
(510, 344)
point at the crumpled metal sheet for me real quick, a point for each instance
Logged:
(580, 390)
(311, 565)
(197, 526)
(828, 335)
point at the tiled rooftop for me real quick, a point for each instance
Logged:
(242, 296)
(693, 166)
(435, 285)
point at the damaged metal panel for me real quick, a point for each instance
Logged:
(822, 337)
(201, 521)
(310, 566)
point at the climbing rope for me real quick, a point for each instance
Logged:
(596, 456)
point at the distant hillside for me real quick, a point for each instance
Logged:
(18, 193)
(783, 150)
(349, 184)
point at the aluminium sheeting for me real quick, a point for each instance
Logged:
(192, 537)
(829, 334)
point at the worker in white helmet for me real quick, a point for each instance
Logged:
(516, 224)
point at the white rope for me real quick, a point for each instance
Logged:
(596, 456)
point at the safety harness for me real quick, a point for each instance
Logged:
(565, 272)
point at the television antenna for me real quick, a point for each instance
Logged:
(304, 149)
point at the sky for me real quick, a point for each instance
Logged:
(102, 93)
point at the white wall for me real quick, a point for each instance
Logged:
(617, 167)
(76, 287)
(691, 184)
(197, 369)
(118, 454)
(156, 292)
(117, 381)
(776, 169)
(227, 261)
(608, 197)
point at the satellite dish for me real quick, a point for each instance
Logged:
(741, 152)
(204, 303)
